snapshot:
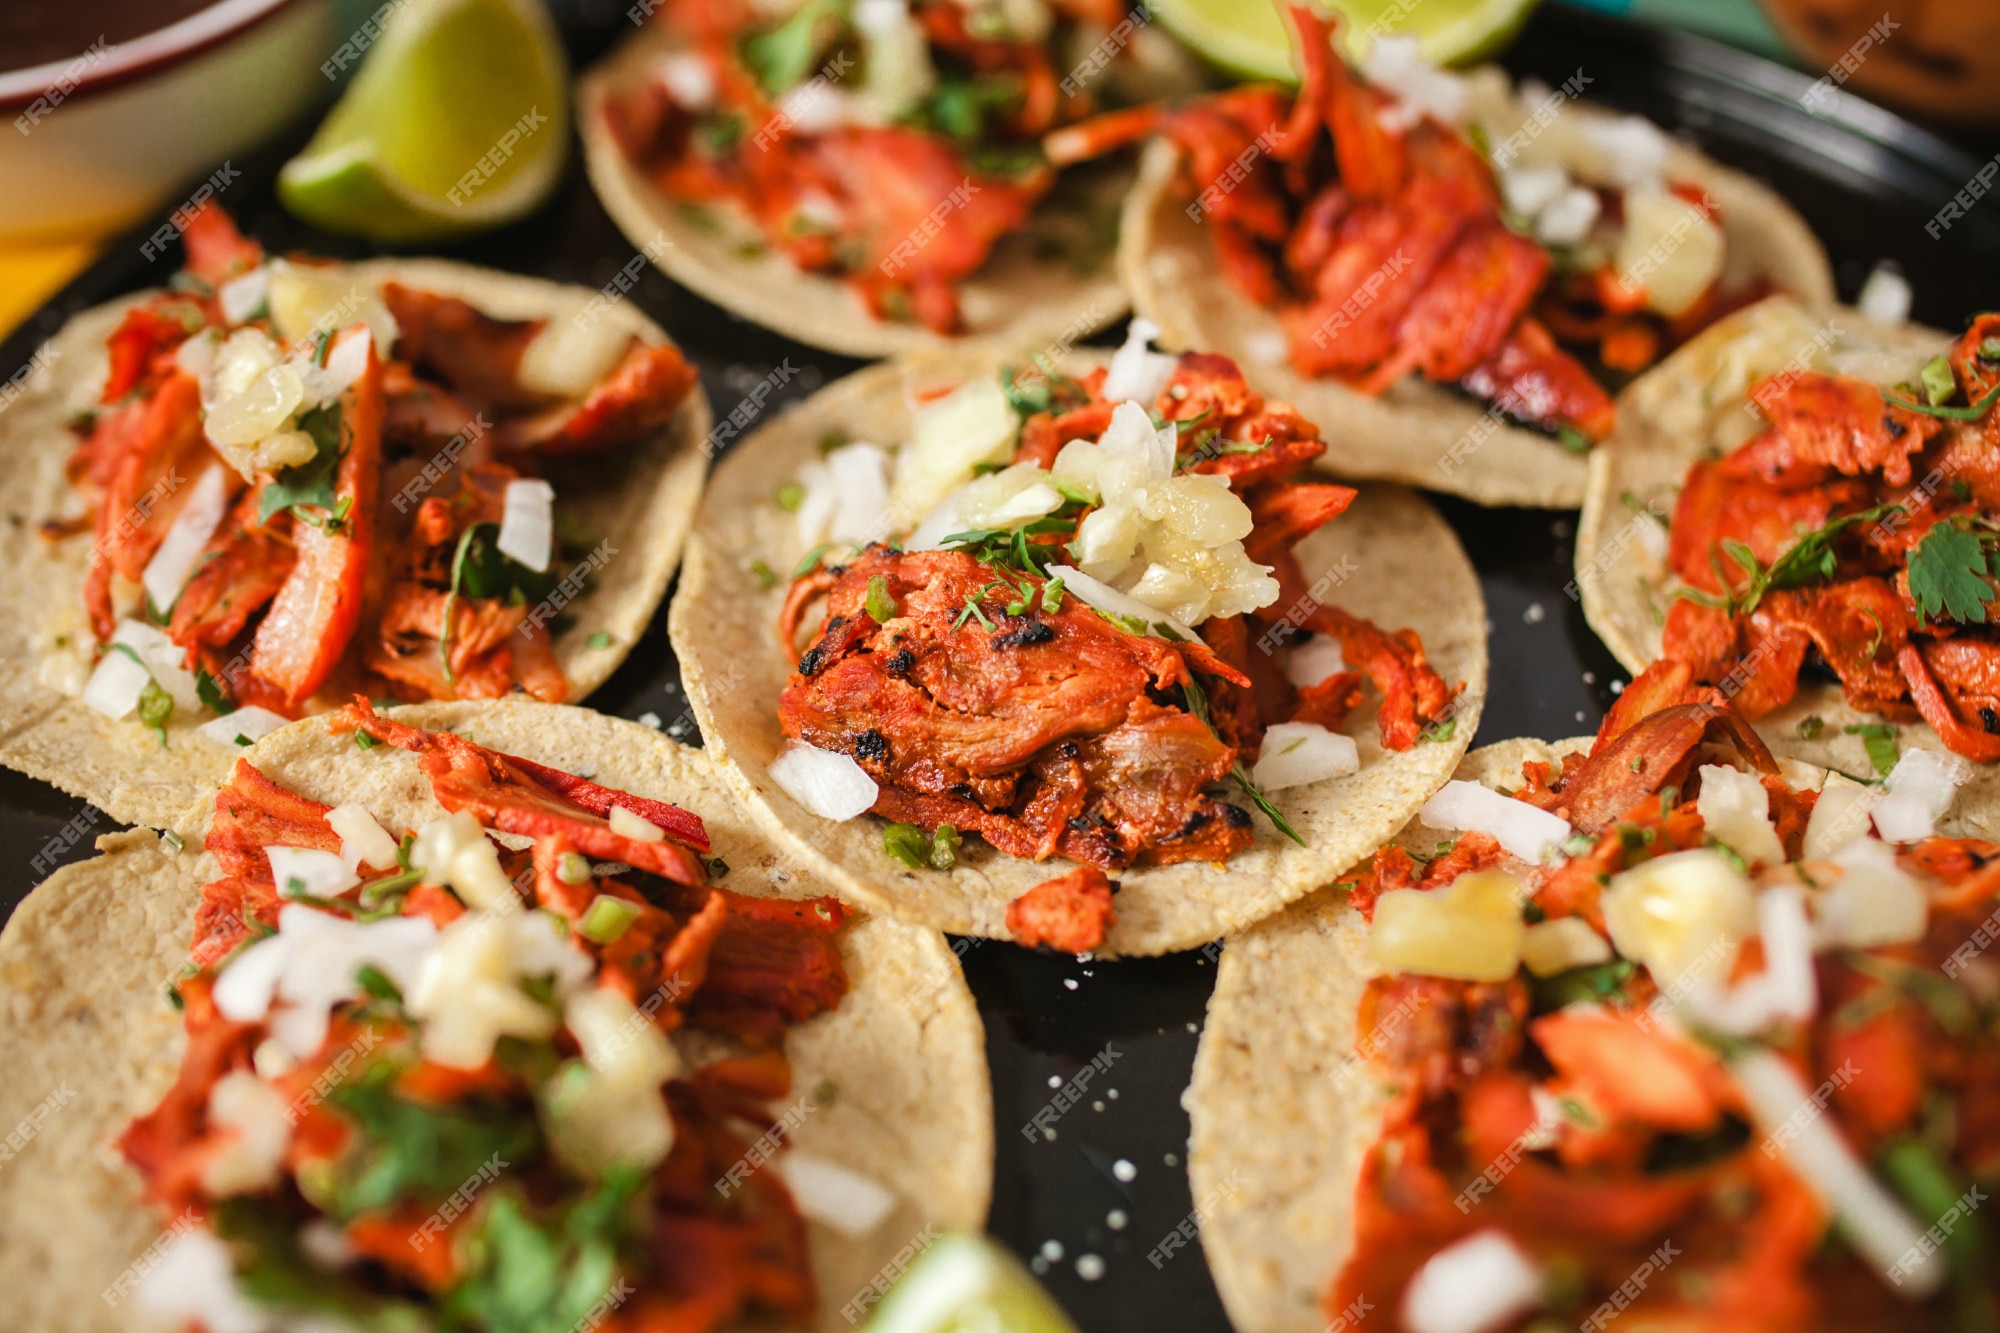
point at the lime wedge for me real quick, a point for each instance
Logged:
(1253, 39)
(457, 122)
(967, 1284)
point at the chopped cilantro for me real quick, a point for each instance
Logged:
(881, 607)
(1439, 731)
(310, 484)
(1572, 439)
(155, 707)
(944, 847)
(791, 495)
(1948, 576)
(1809, 728)
(1879, 739)
(905, 842)
(209, 691)
(1972, 413)
(411, 1151)
(607, 918)
(364, 740)
(810, 561)
(530, 1275)
(782, 56)
(598, 640)
(1937, 380)
(1809, 560)
(766, 576)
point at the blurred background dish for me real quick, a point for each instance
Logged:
(142, 97)
(1941, 59)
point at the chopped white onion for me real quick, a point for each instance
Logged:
(347, 360)
(1886, 296)
(1104, 597)
(193, 1281)
(163, 660)
(528, 523)
(299, 871)
(1519, 827)
(1314, 660)
(830, 785)
(1396, 63)
(688, 79)
(1920, 790)
(1528, 190)
(249, 1160)
(469, 991)
(363, 842)
(628, 825)
(1873, 903)
(1296, 753)
(455, 851)
(240, 297)
(167, 572)
(1568, 217)
(1138, 373)
(1633, 148)
(310, 965)
(1839, 816)
(1735, 810)
(197, 354)
(846, 496)
(246, 725)
(1481, 1283)
(1785, 991)
(115, 685)
(1871, 1218)
(835, 1196)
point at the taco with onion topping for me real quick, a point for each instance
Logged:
(491, 1016)
(1451, 275)
(996, 643)
(279, 482)
(1657, 1030)
(1804, 514)
(870, 177)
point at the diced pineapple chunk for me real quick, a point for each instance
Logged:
(1549, 947)
(1469, 930)
(1681, 914)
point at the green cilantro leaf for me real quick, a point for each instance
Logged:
(1946, 576)
(1879, 739)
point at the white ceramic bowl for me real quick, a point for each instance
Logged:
(94, 144)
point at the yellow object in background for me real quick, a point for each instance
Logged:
(32, 272)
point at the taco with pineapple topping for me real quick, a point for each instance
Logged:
(277, 482)
(1451, 275)
(1658, 1029)
(997, 643)
(869, 177)
(1801, 513)
(490, 1016)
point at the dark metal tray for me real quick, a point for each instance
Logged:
(1090, 1208)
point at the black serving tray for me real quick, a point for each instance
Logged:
(1090, 1208)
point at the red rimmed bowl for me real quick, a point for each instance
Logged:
(94, 142)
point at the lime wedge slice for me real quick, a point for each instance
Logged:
(457, 122)
(967, 1284)
(1253, 39)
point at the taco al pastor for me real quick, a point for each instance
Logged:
(276, 483)
(1717, 1055)
(572, 1051)
(1091, 612)
(1449, 274)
